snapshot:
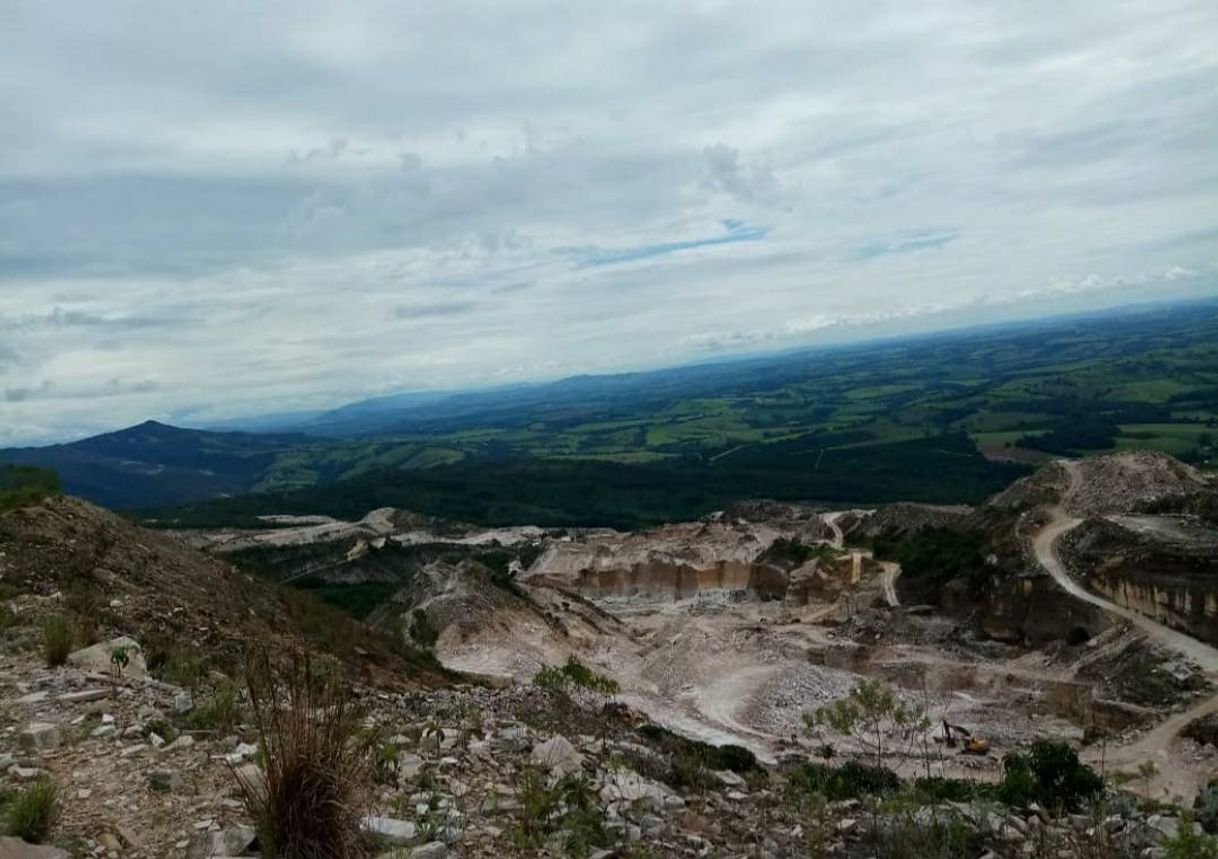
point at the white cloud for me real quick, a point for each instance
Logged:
(244, 208)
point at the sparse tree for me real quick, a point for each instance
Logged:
(873, 715)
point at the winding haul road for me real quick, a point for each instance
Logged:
(1154, 743)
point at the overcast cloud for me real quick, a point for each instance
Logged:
(213, 210)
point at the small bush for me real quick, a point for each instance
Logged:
(84, 599)
(910, 836)
(1187, 843)
(569, 807)
(220, 712)
(737, 759)
(578, 682)
(422, 630)
(57, 640)
(849, 781)
(1050, 774)
(310, 802)
(933, 789)
(691, 761)
(1205, 808)
(688, 771)
(33, 811)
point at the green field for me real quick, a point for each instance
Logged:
(777, 426)
(949, 418)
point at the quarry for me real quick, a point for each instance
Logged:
(1097, 582)
(1075, 606)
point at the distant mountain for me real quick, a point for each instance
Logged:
(565, 401)
(368, 417)
(153, 463)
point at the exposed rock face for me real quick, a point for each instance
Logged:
(1163, 567)
(676, 562)
(1032, 610)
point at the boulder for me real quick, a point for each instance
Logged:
(40, 736)
(97, 657)
(398, 833)
(558, 756)
(628, 788)
(230, 841)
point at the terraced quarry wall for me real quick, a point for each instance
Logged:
(1163, 567)
(663, 580)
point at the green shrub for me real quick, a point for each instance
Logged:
(33, 811)
(849, 781)
(1205, 807)
(870, 714)
(576, 680)
(569, 807)
(422, 630)
(737, 759)
(933, 789)
(909, 835)
(220, 712)
(57, 639)
(1187, 843)
(688, 771)
(85, 601)
(1051, 774)
(790, 552)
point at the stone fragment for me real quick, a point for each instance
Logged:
(40, 736)
(557, 755)
(98, 657)
(398, 833)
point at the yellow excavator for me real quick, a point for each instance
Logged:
(970, 745)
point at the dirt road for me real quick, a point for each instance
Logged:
(891, 571)
(1045, 547)
(1155, 744)
(830, 519)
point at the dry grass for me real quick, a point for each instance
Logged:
(311, 801)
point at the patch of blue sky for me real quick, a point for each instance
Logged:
(737, 231)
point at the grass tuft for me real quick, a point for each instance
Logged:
(309, 803)
(33, 811)
(57, 639)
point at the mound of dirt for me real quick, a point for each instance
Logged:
(1133, 482)
(910, 518)
(483, 626)
(1046, 486)
(126, 580)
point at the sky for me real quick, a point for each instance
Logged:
(217, 210)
